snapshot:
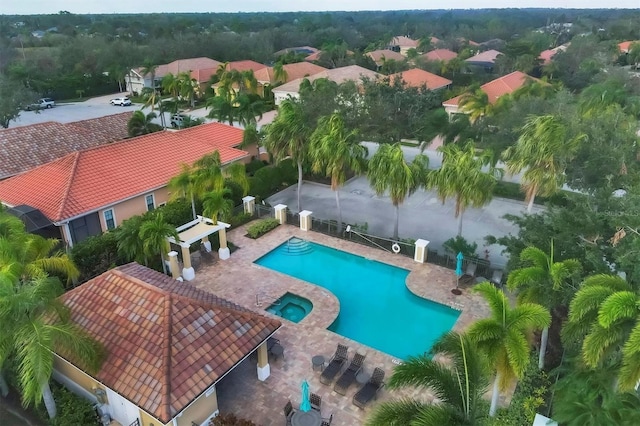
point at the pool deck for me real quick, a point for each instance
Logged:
(241, 281)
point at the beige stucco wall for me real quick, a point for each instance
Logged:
(199, 410)
(133, 206)
(82, 379)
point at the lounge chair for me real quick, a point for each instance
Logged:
(469, 276)
(496, 278)
(370, 390)
(349, 375)
(274, 347)
(316, 401)
(288, 412)
(335, 365)
(327, 422)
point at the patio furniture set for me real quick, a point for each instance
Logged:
(312, 417)
(469, 277)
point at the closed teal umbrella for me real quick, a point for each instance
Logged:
(459, 259)
(305, 404)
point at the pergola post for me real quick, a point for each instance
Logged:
(264, 369)
(223, 252)
(207, 244)
(249, 204)
(188, 272)
(173, 264)
(420, 255)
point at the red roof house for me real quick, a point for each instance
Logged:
(440, 55)
(418, 78)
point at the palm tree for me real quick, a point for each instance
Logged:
(154, 233)
(503, 336)
(209, 175)
(129, 243)
(279, 73)
(170, 84)
(217, 204)
(149, 68)
(544, 282)
(182, 186)
(140, 124)
(35, 325)
(188, 87)
(335, 151)
(389, 171)
(476, 104)
(287, 136)
(542, 151)
(606, 310)
(222, 109)
(249, 107)
(458, 386)
(462, 178)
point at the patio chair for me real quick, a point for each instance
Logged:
(327, 422)
(349, 375)
(316, 401)
(469, 275)
(496, 278)
(288, 412)
(370, 390)
(335, 365)
(274, 347)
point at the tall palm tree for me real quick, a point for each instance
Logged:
(35, 325)
(149, 68)
(545, 282)
(217, 204)
(503, 336)
(389, 171)
(476, 104)
(287, 136)
(279, 73)
(129, 243)
(222, 109)
(606, 310)
(248, 107)
(188, 87)
(542, 151)
(461, 177)
(335, 151)
(209, 175)
(170, 84)
(154, 233)
(141, 124)
(182, 186)
(458, 386)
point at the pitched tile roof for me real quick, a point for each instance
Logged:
(88, 180)
(488, 56)
(184, 65)
(547, 55)
(440, 55)
(498, 87)
(625, 46)
(23, 148)
(294, 72)
(338, 75)
(404, 42)
(245, 65)
(384, 54)
(167, 342)
(417, 77)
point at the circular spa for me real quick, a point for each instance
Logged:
(291, 307)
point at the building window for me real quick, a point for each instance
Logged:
(151, 204)
(109, 219)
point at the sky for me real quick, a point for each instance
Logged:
(28, 7)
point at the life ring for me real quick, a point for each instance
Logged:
(395, 248)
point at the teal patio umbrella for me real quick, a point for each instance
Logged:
(459, 259)
(305, 404)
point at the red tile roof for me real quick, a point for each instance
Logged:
(23, 148)
(417, 77)
(488, 56)
(625, 46)
(378, 56)
(498, 87)
(403, 41)
(547, 55)
(192, 65)
(440, 55)
(88, 180)
(245, 65)
(294, 71)
(167, 342)
(338, 75)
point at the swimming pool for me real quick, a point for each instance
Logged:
(291, 306)
(376, 308)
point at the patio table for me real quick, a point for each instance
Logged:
(306, 418)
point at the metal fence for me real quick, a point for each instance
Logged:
(264, 211)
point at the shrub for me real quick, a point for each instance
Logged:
(72, 409)
(261, 227)
(271, 179)
(240, 219)
(460, 245)
(230, 420)
(96, 255)
(254, 166)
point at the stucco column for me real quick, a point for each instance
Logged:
(249, 204)
(187, 270)
(264, 369)
(420, 255)
(305, 220)
(173, 264)
(281, 213)
(223, 252)
(207, 244)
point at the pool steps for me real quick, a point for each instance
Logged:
(296, 247)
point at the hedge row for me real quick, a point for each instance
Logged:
(270, 179)
(261, 227)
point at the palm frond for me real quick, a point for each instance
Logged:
(620, 306)
(396, 413)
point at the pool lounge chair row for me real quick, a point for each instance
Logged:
(368, 391)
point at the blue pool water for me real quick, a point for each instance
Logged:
(376, 308)
(291, 306)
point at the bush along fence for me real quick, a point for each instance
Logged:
(416, 249)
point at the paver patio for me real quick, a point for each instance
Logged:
(240, 280)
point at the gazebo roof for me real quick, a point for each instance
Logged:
(197, 229)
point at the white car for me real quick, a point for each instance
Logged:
(124, 101)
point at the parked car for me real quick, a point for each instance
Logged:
(177, 120)
(41, 104)
(123, 101)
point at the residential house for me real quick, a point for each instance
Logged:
(419, 78)
(382, 55)
(337, 75)
(440, 55)
(25, 147)
(168, 346)
(267, 76)
(484, 60)
(247, 65)
(136, 81)
(494, 89)
(316, 56)
(546, 55)
(625, 46)
(92, 191)
(402, 44)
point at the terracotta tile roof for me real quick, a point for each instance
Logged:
(440, 55)
(498, 87)
(23, 148)
(547, 55)
(316, 55)
(403, 41)
(338, 75)
(245, 65)
(182, 65)
(167, 341)
(417, 77)
(488, 56)
(378, 55)
(294, 72)
(625, 46)
(88, 180)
